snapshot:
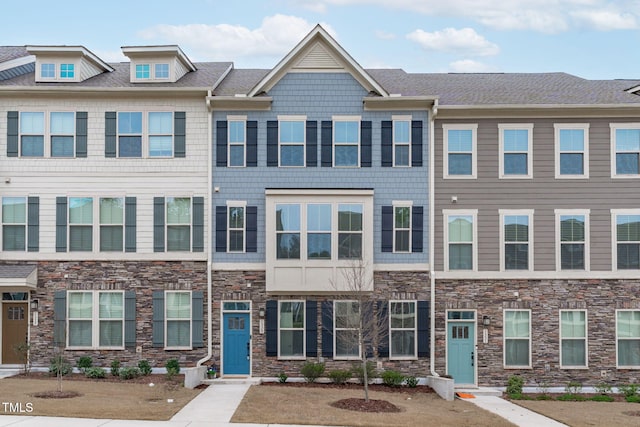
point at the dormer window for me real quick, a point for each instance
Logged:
(48, 71)
(67, 71)
(162, 71)
(157, 64)
(59, 63)
(142, 71)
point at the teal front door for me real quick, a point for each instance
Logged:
(236, 355)
(461, 357)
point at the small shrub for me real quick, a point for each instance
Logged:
(543, 387)
(59, 366)
(602, 398)
(519, 396)
(84, 363)
(514, 385)
(411, 381)
(173, 367)
(392, 378)
(628, 390)
(340, 376)
(632, 399)
(129, 373)
(115, 368)
(571, 397)
(573, 387)
(602, 388)
(358, 372)
(282, 377)
(544, 397)
(145, 367)
(95, 372)
(312, 371)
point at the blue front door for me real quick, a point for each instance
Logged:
(236, 354)
(461, 358)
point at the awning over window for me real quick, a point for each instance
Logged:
(16, 276)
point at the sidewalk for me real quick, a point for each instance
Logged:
(518, 415)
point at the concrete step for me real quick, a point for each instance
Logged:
(233, 380)
(480, 391)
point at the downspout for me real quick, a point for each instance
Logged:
(209, 233)
(432, 197)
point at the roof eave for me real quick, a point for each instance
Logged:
(239, 103)
(399, 103)
(538, 110)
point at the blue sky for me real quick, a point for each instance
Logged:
(594, 39)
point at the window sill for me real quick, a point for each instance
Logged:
(392, 358)
(177, 348)
(292, 358)
(518, 367)
(574, 368)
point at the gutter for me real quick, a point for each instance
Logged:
(432, 197)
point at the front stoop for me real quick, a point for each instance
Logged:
(233, 380)
(479, 391)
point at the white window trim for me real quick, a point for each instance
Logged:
(415, 330)
(25, 224)
(100, 224)
(516, 212)
(95, 218)
(395, 119)
(167, 320)
(46, 133)
(237, 204)
(152, 71)
(618, 366)
(230, 144)
(585, 154)
(304, 331)
(474, 150)
(403, 204)
(585, 339)
(167, 225)
(335, 335)
(587, 232)
(58, 70)
(614, 235)
(95, 321)
(335, 119)
(504, 340)
(515, 126)
(446, 213)
(302, 119)
(613, 128)
(145, 133)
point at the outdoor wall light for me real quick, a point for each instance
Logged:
(261, 312)
(486, 321)
(34, 304)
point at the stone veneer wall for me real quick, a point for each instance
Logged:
(139, 276)
(545, 298)
(250, 286)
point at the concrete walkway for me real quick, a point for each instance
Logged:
(518, 415)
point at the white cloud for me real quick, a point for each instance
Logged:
(384, 35)
(463, 41)
(606, 20)
(470, 66)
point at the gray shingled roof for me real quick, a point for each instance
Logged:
(8, 53)
(16, 271)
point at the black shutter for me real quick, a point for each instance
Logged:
(423, 328)
(130, 227)
(130, 319)
(271, 338)
(326, 141)
(197, 319)
(327, 328)
(59, 318)
(110, 133)
(157, 331)
(387, 143)
(387, 229)
(417, 226)
(33, 224)
(12, 134)
(365, 144)
(221, 143)
(312, 144)
(221, 228)
(198, 225)
(179, 134)
(311, 312)
(272, 143)
(416, 143)
(252, 143)
(383, 336)
(158, 224)
(252, 228)
(61, 224)
(81, 134)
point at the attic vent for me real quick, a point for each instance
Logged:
(318, 57)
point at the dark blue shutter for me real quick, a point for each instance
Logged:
(365, 144)
(130, 319)
(326, 144)
(158, 319)
(130, 227)
(383, 338)
(252, 143)
(271, 338)
(417, 226)
(33, 224)
(423, 328)
(12, 134)
(81, 134)
(158, 224)
(198, 224)
(197, 319)
(312, 144)
(179, 134)
(272, 143)
(221, 143)
(110, 133)
(327, 328)
(416, 143)
(221, 228)
(387, 144)
(387, 229)
(252, 228)
(311, 311)
(61, 224)
(59, 318)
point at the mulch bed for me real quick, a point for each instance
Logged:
(57, 394)
(362, 405)
(153, 378)
(617, 397)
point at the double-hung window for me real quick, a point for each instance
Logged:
(288, 231)
(460, 147)
(573, 338)
(628, 338)
(130, 134)
(178, 223)
(572, 239)
(291, 328)
(237, 226)
(80, 224)
(346, 329)
(319, 231)
(516, 150)
(237, 135)
(346, 142)
(32, 134)
(95, 319)
(517, 338)
(572, 150)
(402, 141)
(14, 223)
(402, 329)
(626, 238)
(111, 224)
(460, 239)
(178, 319)
(625, 150)
(62, 128)
(349, 231)
(291, 141)
(160, 134)
(401, 227)
(516, 232)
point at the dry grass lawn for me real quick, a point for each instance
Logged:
(294, 405)
(581, 414)
(111, 400)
